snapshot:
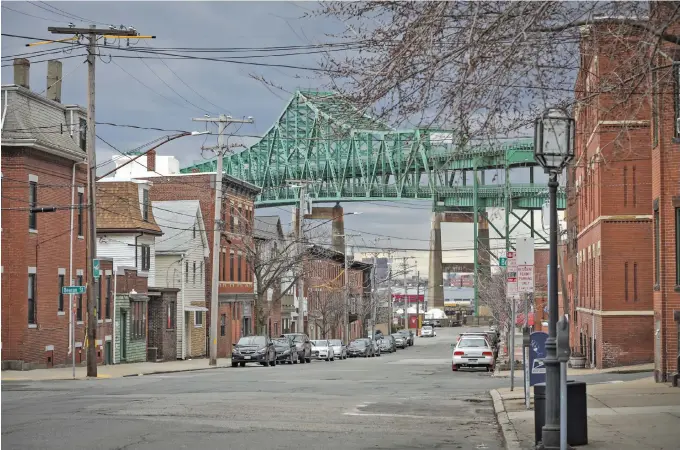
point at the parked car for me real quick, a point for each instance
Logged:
(339, 348)
(388, 344)
(286, 351)
(427, 331)
(408, 334)
(253, 349)
(376, 347)
(473, 351)
(322, 349)
(360, 348)
(304, 347)
(437, 323)
(400, 340)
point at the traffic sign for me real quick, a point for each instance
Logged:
(525, 278)
(95, 268)
(73, 289)
(503, 261)
(511, 274)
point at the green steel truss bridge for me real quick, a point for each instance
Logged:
(347, 156)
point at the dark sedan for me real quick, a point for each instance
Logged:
(408, 335)
(286, 351)
(304, 346)
(253, 349)
(360, 348)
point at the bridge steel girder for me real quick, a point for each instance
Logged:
(349, 156)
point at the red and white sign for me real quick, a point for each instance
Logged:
(511, 274)
(525, 278)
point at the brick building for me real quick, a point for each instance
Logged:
(665, 205)
(43, 144)
(131, 315)
(609, 214)
(235, 280)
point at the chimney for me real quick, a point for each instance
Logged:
(151, 161)
(54, 80)
(22, 68)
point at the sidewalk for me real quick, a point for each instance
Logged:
(640, 368)
(114, 371)
(621, 416)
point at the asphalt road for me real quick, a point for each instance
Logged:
(407, 400)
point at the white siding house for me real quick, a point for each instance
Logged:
(126, 227)
(181, 262)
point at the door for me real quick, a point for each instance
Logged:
(123, 335)
(658, 368)
(108, 350)
(187, 334)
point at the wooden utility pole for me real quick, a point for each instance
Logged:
(218, 226)
(92, 34)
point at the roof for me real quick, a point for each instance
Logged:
(268, 228)
(177, 219)
(35, 121)
(119, 209)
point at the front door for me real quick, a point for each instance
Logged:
(123, 335)
(108, 353)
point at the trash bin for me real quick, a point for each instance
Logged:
(577, 412)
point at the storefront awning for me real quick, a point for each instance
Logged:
(195, 308)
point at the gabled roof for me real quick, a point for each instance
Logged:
(268, 227)
(177, 219)
(35, 121)
(119, 209)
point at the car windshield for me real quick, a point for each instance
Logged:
(296, 337)
(252, 340)
(320, 343)
(472, 343)
(357, 344)
(336, 342)
(282, 341)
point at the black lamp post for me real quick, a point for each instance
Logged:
(554, 135)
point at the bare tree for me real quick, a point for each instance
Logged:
(487, 69)
(326, 310)
(492, 294)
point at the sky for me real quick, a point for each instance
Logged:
(168, 93)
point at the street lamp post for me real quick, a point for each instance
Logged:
(554, 134)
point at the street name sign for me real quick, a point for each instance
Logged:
(96, 268)
(72, 290)
(503, 261)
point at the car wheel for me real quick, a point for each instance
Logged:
(234, 364)
(454, 367)
(333, 358)
(308, 360)
(302, 360)
(243, 364)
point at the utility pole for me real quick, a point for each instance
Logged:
(417, 302)
(405, 297)
(374, 306)
(299, 236)
(218, 226)
(390, 315)
(92, 34)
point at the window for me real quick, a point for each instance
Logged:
(145, 205)
(625, 280)
(138, 319)
(198, 319)
(83, 134)
(171, 316)
(80, 213)
(238, 275)
(223, 269)
(677, 246)
(107, 308)
(223, 325)
(634, 188)
(32, 203)
(200, 273)
(194, 277)
(655, 110)
(186, 271)
(635, 283)
(79, 309)
(31, 299)
(60, 306)
(146, 257)
(625, 186)
(231, 217)
(657, 243)
(98, 297)
(231, 267)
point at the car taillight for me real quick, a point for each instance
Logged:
(487, 354)
(458, 353)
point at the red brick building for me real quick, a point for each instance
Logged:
(609, 215)
(42, 147)
(235, 279)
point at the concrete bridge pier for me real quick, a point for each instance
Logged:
(435, 290)
(337, 218)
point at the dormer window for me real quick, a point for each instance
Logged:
(145, 205)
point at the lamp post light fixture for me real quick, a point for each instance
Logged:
(554, 134)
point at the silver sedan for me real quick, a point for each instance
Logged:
(339, 349)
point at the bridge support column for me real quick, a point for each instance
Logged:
(435, 290)
(338, 229)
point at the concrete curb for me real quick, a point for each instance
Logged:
(509, 433)
(497, 374)
(107, 376)
(173, 371)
